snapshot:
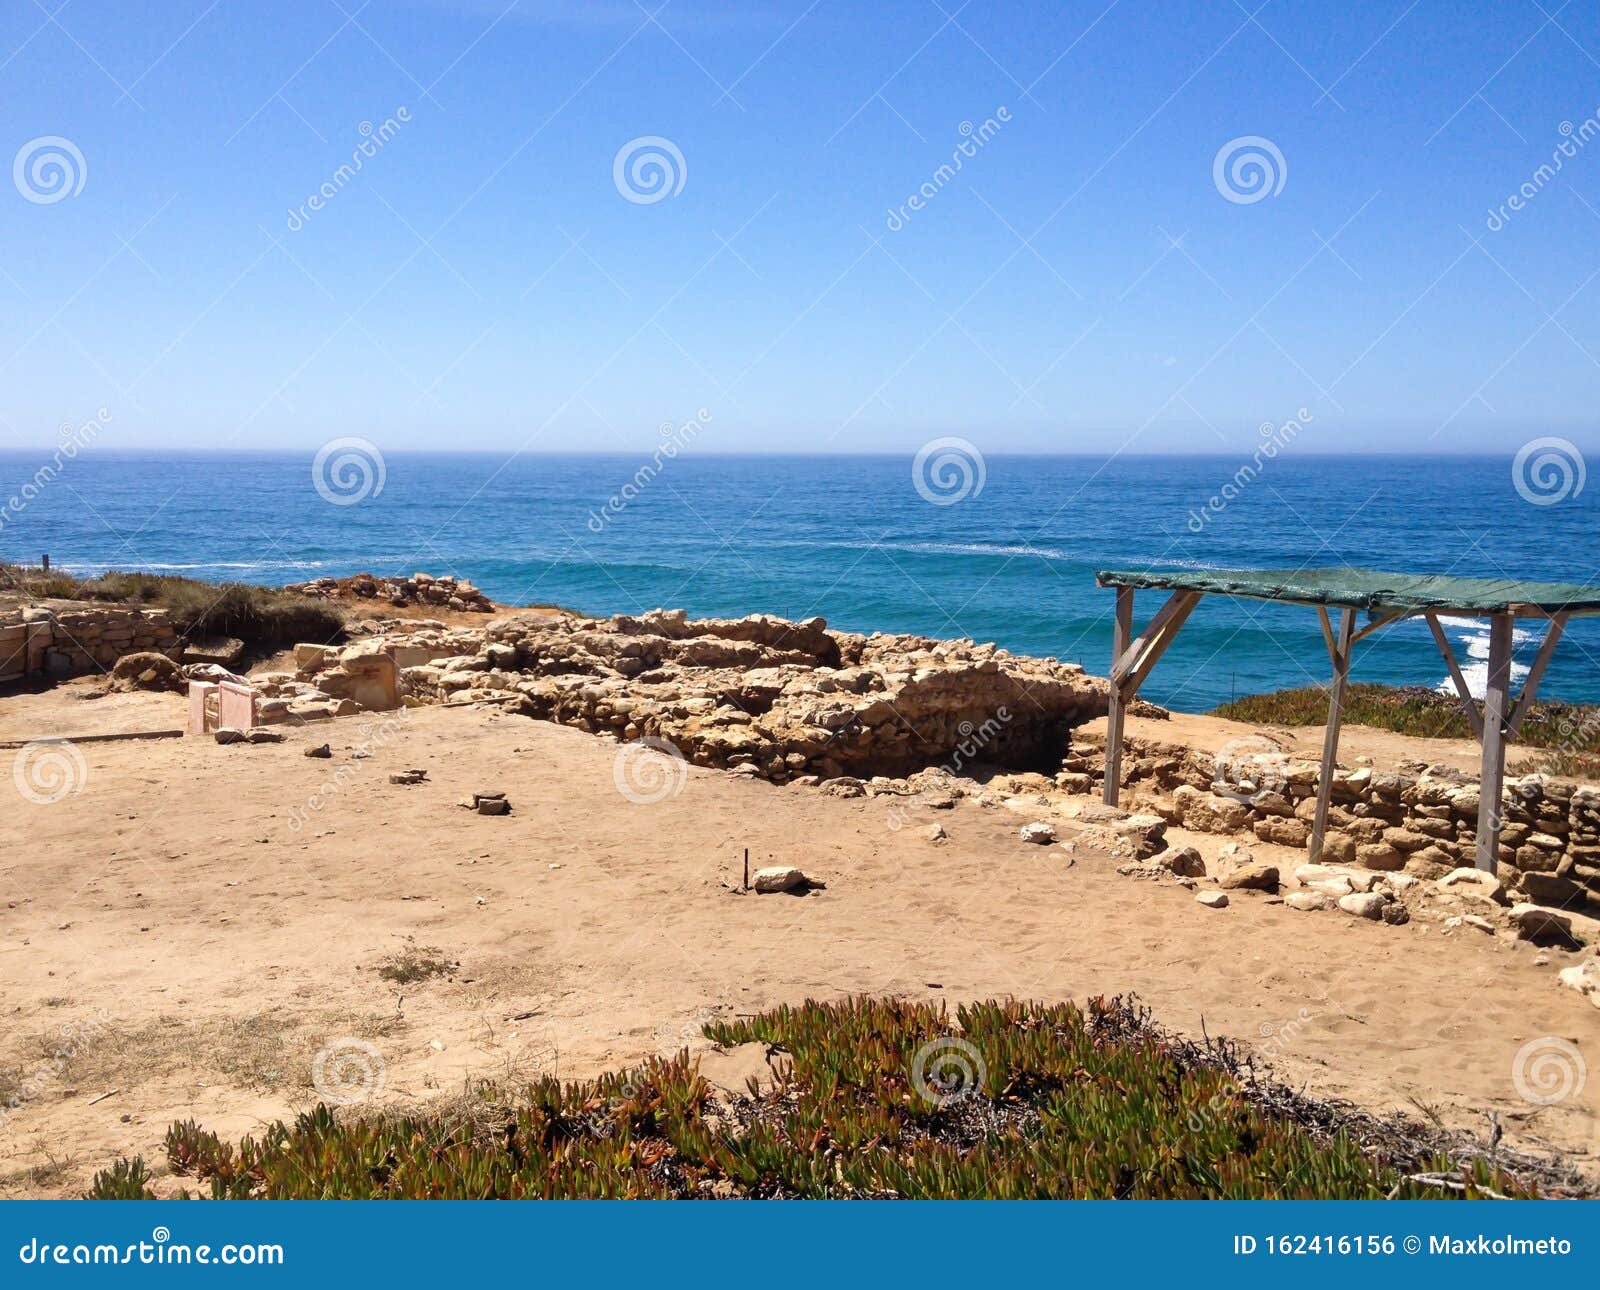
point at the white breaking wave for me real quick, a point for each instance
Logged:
(957, 548)
(1472, 650)
(1472, 628)
(994, 548)
(149, 567)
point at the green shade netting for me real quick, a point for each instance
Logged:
(1367, 589)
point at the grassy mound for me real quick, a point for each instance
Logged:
(1568, 734)
(872, 1099)
(253, 614)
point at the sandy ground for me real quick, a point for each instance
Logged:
(217, 915)
(1384, 747)
(81, 707)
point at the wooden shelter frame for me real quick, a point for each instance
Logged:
(1133, 657)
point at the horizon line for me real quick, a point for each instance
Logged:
(1461, 454)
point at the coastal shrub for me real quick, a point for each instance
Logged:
(870, 1098)
(36, 582)
(125, 1180)
(253, 614)
(1567, 734)
(250, 613)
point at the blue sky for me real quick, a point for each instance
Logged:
(1083, 284)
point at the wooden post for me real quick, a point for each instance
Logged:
(1494, 742)
(1121, 633)
(1530, 686)
(1330, 739)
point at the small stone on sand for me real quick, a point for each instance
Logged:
(1585, 979)
(1363, 904)
(779, 878)
(1253, 875)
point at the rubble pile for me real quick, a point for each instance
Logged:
(445, 591)
(1417, 819)
(762, 695)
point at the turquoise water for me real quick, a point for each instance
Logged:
(852, 539)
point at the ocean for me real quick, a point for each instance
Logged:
(1003, 549)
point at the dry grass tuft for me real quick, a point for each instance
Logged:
(413, 962)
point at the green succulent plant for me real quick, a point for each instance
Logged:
(869, 1098)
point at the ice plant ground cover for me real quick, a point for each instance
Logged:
(872, 1098)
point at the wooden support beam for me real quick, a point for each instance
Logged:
(1327, 635)
(1530, 687)
(1131, 663)
(1120, 632)
(1124, 663)
(1330, 739)
(1146, 652)
(1492, 780)
(1378, 623)
(1469, 705)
